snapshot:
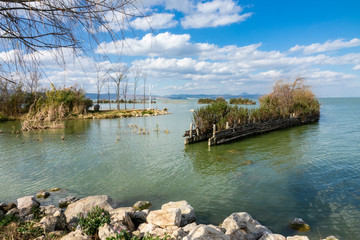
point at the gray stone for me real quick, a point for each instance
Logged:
(85, 205)
(54, 219)
(64, 202)
(76, 235)
(141, 205)
(187, 211)
(27, 204)
(299, 225)
(139, 217)
(164, 218)
(206, 232)
(242, 226)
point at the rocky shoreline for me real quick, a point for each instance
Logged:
(175, 220)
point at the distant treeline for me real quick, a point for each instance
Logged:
(242, 101)
(209, 100)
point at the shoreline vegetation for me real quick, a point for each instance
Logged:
(48, 109)
(99, 217)
(289, 104)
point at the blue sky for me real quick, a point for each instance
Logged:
(231, 47)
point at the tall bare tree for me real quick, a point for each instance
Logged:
(138, 75)
(100, 81)
(144, 78)
(117, 74)
(125, 89)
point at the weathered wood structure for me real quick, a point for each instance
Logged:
(249, 129)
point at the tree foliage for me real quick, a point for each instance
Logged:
(27, 26)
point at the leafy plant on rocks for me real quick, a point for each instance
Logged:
(28, 230)
(92, 220)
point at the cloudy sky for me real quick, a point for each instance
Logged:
(231, 47)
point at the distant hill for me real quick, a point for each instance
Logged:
(212, 96)
(93, 96)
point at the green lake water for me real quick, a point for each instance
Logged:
(310, 172)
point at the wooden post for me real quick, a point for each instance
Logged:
(227, 125)
(191, 127)
(197, 132)
(214, 129)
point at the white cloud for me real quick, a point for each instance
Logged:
(327, 46)
(156, 21)
(163, 44)
(213, 14)
(357, 67)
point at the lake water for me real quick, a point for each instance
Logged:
(310, 172)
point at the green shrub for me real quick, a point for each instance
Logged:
(92, 220)
(7, 219)
(285, 100)
(27, 230)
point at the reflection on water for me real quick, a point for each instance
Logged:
(311, 171)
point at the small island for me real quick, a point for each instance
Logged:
(288, 105)
(242, 101)
(209, 100)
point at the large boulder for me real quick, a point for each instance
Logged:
(85, 205)
(242, 226)
(122, 216)
(54, 219)
(187, 211)
(297, 237)
(76, 235)
(164, 218)
(26, 205)
(206, 232)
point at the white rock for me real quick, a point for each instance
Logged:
(85, 205)
(164, 218)
(106, 231)
(242, 226)
(122, 216)
(206, 232)
(187, 211)
(297, 237)
(26, 204)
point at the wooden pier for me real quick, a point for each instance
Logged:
(249, 129)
